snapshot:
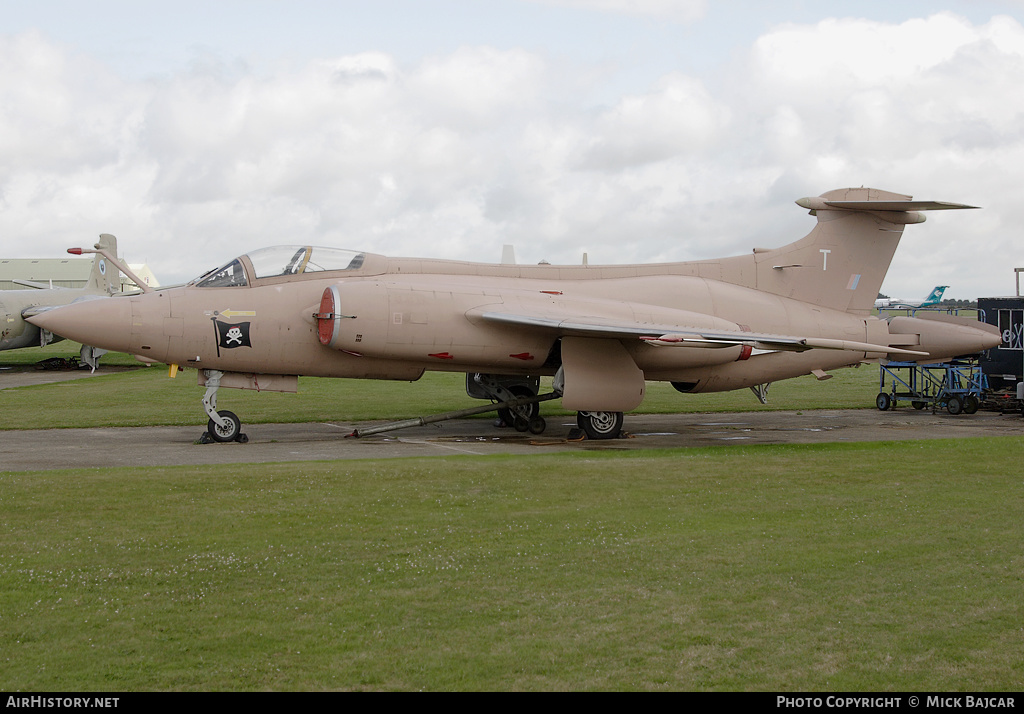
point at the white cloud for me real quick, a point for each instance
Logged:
(459, 152)
(59, 108)
(473, 88)
(681, 11)
(678, 118)
(838, 52)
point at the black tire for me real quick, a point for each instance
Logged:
(883, 401)
(527, 412)
(955, 405)
(919, 405)
(538, 425)
(225, 433)
(600, 425)
(971, 404)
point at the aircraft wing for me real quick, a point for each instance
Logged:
(36, 285)
(39, 309)
(35, 310)
(681, 336)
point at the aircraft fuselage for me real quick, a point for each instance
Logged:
(397, 325)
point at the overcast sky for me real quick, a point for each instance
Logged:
(632, 130)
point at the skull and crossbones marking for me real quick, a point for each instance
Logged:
(234, 336)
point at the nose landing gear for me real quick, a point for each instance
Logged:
(223, 426)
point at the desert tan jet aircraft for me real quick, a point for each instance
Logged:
(600, 331)
(16, 305)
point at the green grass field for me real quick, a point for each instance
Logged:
(878, 567)
(841, 567)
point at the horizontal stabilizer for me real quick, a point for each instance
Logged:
(40, 309)
(898, 205)
(36, 285)
(817, 203)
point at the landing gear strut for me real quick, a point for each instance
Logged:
(500, 388)
(223, 426)
(421, 421)
(525, 417)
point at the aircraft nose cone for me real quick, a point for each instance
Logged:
(102, 322)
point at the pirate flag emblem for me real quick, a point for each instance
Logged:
(230, 336)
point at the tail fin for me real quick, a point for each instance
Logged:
(935, 295)
(104, 278)
(842, 262)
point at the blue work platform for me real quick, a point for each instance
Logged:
(958, 385)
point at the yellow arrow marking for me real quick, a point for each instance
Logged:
(239, 313)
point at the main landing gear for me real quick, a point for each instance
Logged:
(526, 417)
(223, 426)
(502, 389)
(595, 425)
(600, 425)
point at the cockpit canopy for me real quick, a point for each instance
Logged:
(280, 260)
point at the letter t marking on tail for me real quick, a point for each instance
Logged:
(824, 257)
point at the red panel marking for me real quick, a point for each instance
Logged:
(552, 292)
(745, 350)
(442, 355)
(523, 356)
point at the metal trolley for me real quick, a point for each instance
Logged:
(958, 385)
